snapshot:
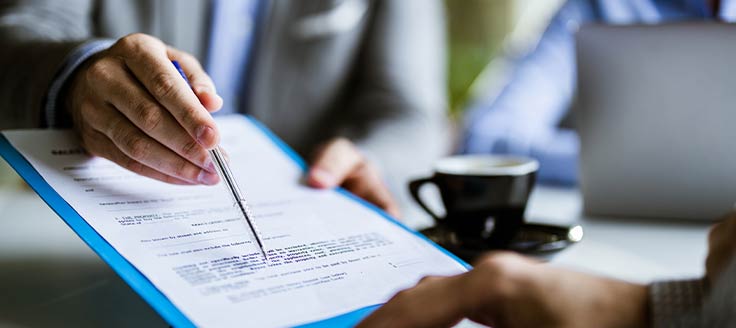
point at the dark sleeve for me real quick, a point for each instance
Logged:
(719, 309)
(36, 39)
(688, 303)
(673, 302)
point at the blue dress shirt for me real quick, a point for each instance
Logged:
(234, 26)
(525, 118)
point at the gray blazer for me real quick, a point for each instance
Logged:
(375, 76)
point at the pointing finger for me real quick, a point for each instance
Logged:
(201, 83)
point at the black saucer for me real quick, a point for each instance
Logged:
(533, 239)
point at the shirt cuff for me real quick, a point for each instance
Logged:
(76, 58)
(672, 302)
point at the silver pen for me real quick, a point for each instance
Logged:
(223, 170)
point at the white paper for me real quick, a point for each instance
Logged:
(329, 254)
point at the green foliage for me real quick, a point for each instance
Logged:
(476, 30)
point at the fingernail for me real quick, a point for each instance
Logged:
(209, 165)
(205, 88)
(205, 133)
(199, 90)
(208, 178)
(324, 178)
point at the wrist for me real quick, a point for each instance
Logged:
(628, 305)
(56, 108)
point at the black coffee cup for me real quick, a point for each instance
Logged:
(484, 196)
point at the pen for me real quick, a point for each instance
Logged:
(223, 170)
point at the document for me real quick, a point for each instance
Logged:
(328, 253)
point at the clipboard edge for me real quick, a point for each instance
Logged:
(134, 278)
(127, 271)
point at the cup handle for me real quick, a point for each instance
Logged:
(414, 187)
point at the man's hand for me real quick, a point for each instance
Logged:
(130, 105)
(339, 163)
(721, 247)
(508, 290)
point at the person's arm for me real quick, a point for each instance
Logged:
(707, 302)
(396, 114)
(718, 308)
(124, 98)
(524, 119)
(126, 101)
(508, 290)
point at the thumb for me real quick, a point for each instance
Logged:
(334, 163)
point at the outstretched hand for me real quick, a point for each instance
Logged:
(508, 290)
(130, 105)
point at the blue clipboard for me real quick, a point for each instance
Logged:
(134, 278)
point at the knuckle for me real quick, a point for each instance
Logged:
(342, 141)
(428, 279)
(99, 72)
(135, 41)
(149, 114)
(163, 85)
(183, 169)
(133, 165)
(131, 38)
(87, 110)
(172, 180)
(186, 57)
(506, 273)
(401, 295)
(114, 130)
(497, 263)
(136, 146)
(127, 42)
(343, 144)
(190, 149)
(190, 118)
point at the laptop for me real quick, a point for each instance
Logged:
(656, 113)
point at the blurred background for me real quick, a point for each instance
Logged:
(49, 277)
(484, 36)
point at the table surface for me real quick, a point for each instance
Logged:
(48, 275)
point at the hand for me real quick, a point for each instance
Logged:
(130, 105)
(339, 163)
(508, 290)
(721, 247)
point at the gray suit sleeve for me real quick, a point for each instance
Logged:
(398, 111)
(719, 308)
(36, 36)
(672, 302)
(688, 304)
